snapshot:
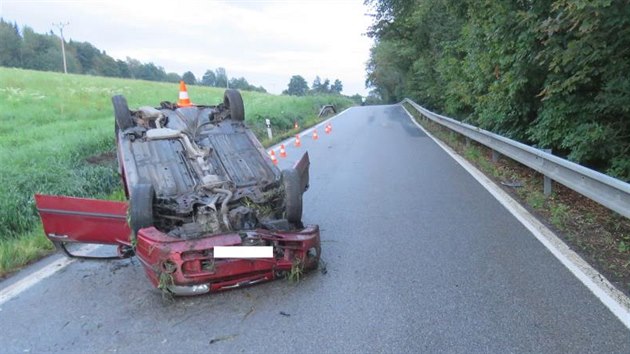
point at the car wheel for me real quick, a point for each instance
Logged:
(292, 196)
(141, 206)
(121, 112)
(233, 101)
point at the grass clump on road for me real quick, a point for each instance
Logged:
(55, 129)
(17, 251)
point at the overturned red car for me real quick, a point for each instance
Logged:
(196, 179)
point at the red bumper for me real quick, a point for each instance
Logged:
(188, 267)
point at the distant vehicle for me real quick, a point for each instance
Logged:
(196, 178)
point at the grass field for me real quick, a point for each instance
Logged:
(51, 123)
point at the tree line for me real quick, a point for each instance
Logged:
(299, 87)
(219, 78)
(29, 50)
(550, 73)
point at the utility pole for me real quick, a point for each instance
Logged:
(63, 48)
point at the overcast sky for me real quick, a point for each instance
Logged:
(264, 41)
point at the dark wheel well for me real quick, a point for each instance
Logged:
(233, 101)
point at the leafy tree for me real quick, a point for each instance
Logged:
(209, 78)
(242, 84)
(221, 77)
(123, 68)
(189, 78)
(585, 109)
(260, 89)
(385, 73)
(106, 66)
(373, 98)
(10, 44)
(134, 66)
(317, 84)
(40, 52)
(325, 87)
(239, 84)
(297, 86)
(358, 99)
(336, 87)
(502, 71)
(151, 72)
(173, 77)
(551, 73)
(87, 55)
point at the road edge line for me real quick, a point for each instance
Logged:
(28, 281)
(307, 131)
(616, 301)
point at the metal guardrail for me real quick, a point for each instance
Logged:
(326, 109)
(608, 191)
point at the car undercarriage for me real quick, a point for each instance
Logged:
(196, 177)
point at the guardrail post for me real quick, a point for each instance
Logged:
(547, 187)
(495, 156)
(467, 142)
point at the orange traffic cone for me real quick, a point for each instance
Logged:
(295, 125)
(298, 143)
(283, 152)
(329, 128)
(315, 136)
(273, 157)
(183, 101)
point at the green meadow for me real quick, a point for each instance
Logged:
(52, 125)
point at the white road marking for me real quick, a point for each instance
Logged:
(617, 302)
(307, 131)
(20, 286)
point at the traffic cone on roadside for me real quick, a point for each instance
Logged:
(298, 143)
(273, 157)
(184, 100)
(315, 136)
(283, 152)
(328, 128)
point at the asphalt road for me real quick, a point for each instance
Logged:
(420, 258)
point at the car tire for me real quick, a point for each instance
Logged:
(122, 113)
(141, 206)
(292, 196)
(233, 101)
